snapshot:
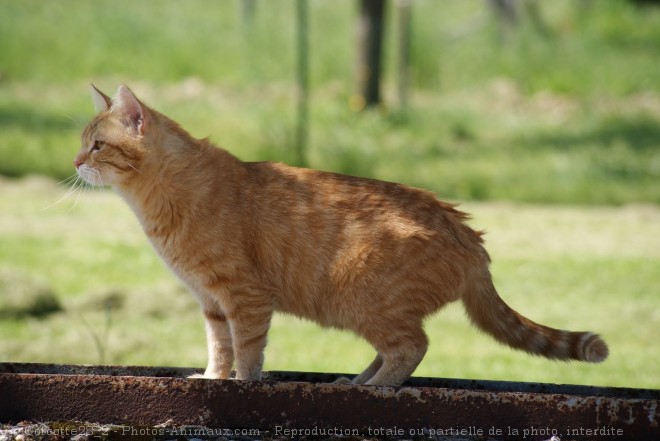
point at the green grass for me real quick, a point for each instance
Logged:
(568, 267)
(571, 116)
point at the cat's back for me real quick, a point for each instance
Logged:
(340, 201)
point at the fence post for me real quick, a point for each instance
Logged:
(370, 37)
(302, 73)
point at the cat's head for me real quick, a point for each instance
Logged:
(116, 144)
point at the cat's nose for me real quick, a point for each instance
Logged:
(77, 163)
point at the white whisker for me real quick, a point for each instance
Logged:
(85, 179)
(96, 178)
(131, 166)
(80, 192)
(69, 180)
(78, 124)
(75, 186)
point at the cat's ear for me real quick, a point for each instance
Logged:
(132, 109)
(101, 101)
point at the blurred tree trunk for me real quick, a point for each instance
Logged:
(248, 9)
(302, 73)
(508, 15)
(370, 42)
(506, 12)
(404, 32)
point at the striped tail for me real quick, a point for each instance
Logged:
(489, 313)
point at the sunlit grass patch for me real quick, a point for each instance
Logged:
(568, 267)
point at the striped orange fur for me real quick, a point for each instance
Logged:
(250, 239)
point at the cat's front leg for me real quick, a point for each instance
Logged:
(220, 347)
(249, 330)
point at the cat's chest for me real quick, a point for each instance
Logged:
(194, 257)
(178, 248)
(180, 259)
(170, 250)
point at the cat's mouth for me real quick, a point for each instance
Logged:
(90, 175)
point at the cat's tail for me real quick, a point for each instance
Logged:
(488, 312)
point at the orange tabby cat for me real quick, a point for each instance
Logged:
(254, 238)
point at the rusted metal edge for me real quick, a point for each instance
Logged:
(288, 404)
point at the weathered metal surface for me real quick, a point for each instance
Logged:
(287, 404)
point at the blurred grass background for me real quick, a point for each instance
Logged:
(566, 119)
(570, 116)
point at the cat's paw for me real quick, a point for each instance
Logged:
(343, 380)
(206, 376)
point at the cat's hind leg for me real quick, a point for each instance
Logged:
(401, 352)
(370, 371)
(364, 376)
(249, 330)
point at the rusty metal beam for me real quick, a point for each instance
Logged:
(307, 404)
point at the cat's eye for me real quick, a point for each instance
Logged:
(97, 146)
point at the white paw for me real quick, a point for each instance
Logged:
(343, 380)
(206, 376)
